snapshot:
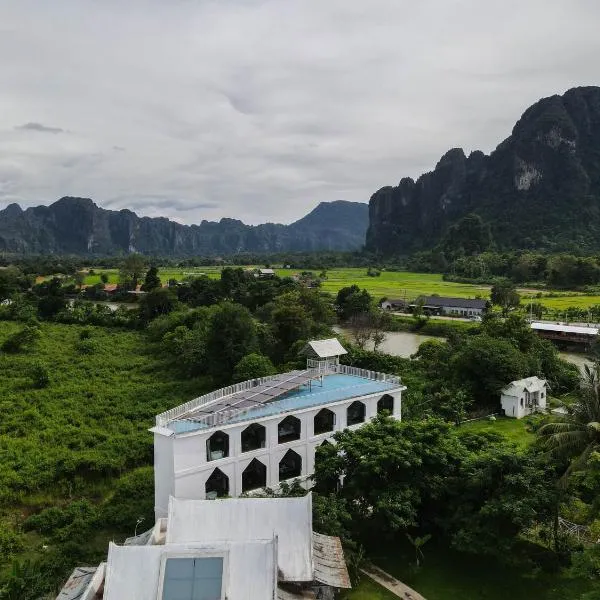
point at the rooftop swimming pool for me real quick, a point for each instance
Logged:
(333, 388)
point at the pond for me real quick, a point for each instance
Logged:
(397, 343)
(406, 343)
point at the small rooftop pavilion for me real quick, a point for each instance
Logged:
(323, 354)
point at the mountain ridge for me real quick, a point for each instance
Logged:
(539, 189)
(74, 225)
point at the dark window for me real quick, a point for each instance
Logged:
(385, 403)
(288, 430)
(193, 579)
(324, 421)
(217, 446)
(253, 437)
(355, 413)
(290, 466)
(254, 476)
(217, 485)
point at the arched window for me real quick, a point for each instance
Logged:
(288, 430)
(290, 466)
(355, 413)
(385, 403)
(324, 421)
(217, 446)
(253, 437)
(217, 485)
(254, 476)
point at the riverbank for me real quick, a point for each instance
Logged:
(432, 327)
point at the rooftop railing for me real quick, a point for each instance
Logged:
(224, 415)
(196, 403)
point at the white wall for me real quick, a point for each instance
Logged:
(516, 406)
(164, 473)
(187, 456)
(467, 312)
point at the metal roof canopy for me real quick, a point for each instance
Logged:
(565, 328)
(255, 396)
(447, 302)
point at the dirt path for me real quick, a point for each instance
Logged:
(390, 583)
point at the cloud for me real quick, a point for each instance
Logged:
(39, 127)
(261, 109)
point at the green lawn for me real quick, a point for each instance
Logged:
(367, 589)
(448, 575)
(514, 429)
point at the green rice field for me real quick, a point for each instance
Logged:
(390, 284)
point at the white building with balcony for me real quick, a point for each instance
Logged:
(262, 432)
(524, 396)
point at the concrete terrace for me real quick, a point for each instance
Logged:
(274, 395)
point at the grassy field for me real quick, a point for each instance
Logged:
(75, 438)
(514, 429)
(391, 284)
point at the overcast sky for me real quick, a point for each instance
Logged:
(261, 109)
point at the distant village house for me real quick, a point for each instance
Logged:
(453, 307)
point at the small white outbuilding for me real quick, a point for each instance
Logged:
(524, 396)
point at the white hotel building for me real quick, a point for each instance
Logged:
(262, 432)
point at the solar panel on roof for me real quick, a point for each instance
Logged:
(256, 395)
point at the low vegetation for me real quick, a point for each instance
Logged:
(81, 385)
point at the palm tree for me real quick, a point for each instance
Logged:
(577, 434)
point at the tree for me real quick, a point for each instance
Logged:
(152, 280)
(160, 301)
(577, 435)
(13, 281)
(231, 335)
(79, 278)
(51, 298)
(104, 278)
(351, 301)
(201, 291)
(131, 271)
(484, 365)
(452, 404)
(253, 366)
(498, 493)
(290, 323)
(390, 470)
(505, 294)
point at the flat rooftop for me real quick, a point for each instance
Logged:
(282, 393)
